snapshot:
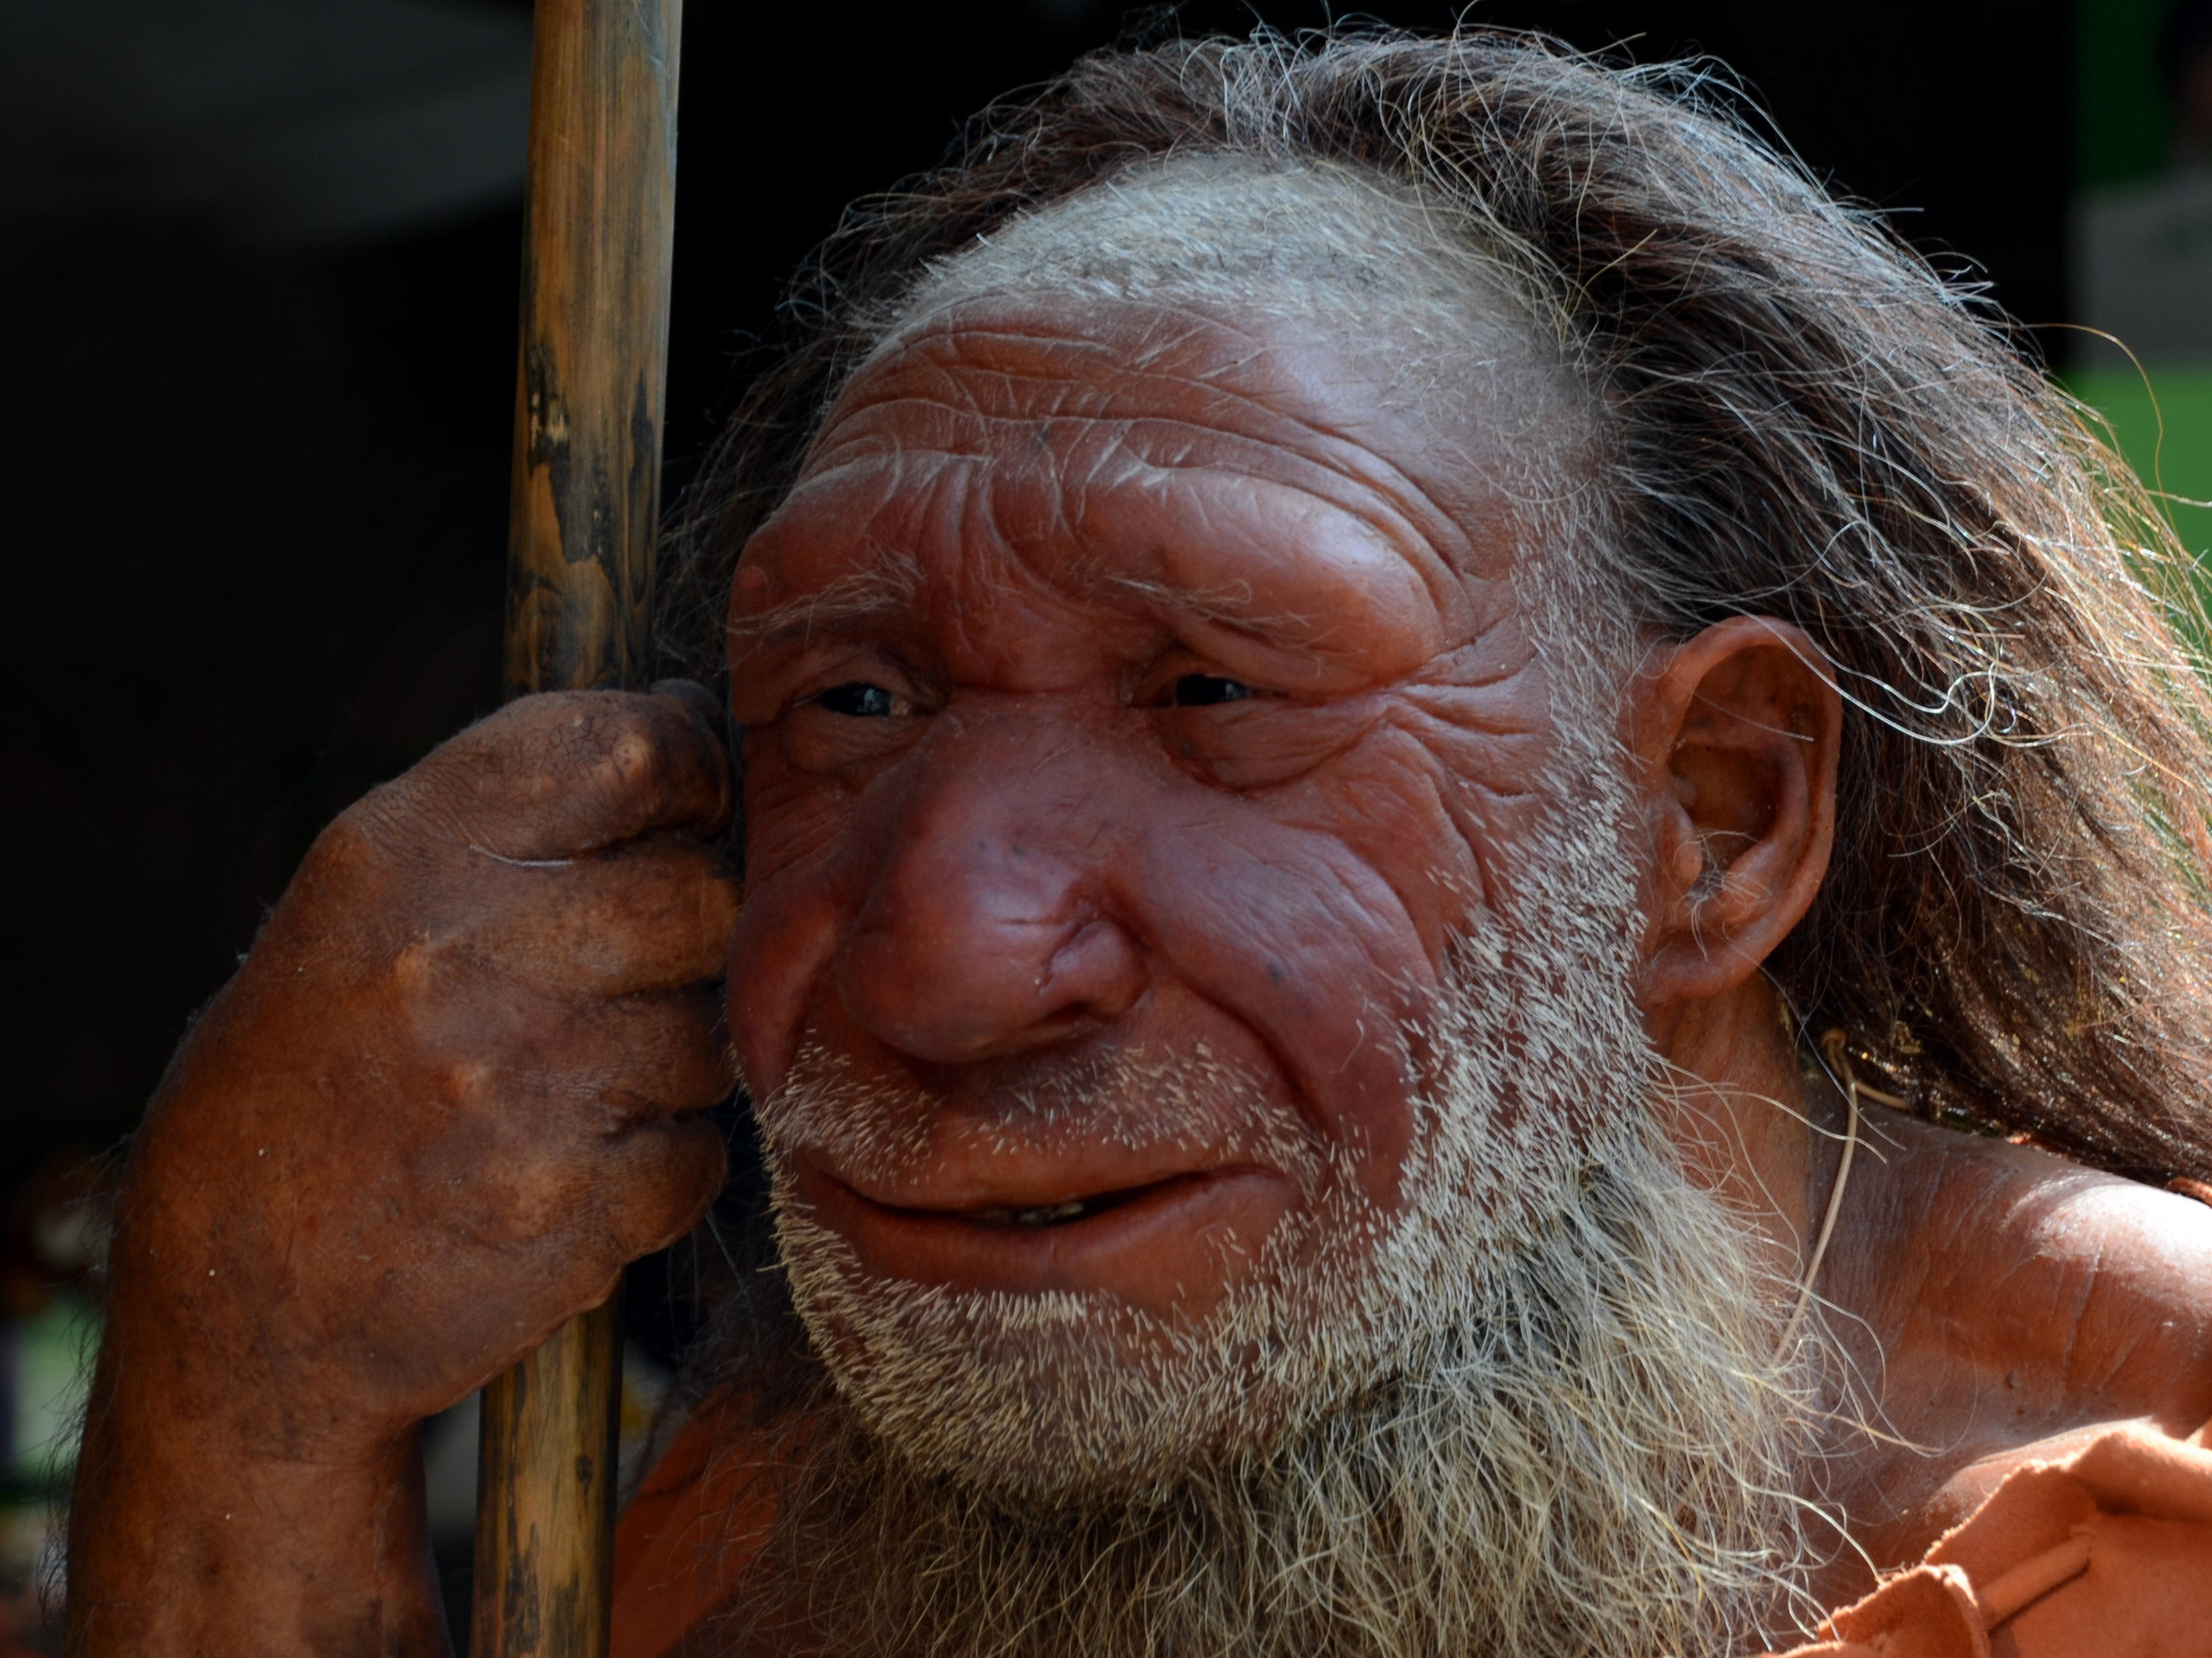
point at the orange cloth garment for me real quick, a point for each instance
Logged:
(2106, 1553)
(685, 1538)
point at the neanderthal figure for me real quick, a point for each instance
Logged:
(1346, 656)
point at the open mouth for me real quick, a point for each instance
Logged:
(1167, 1245)
(1074, 1209)
(1040, 1216)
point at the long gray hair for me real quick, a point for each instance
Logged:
(1805, 420)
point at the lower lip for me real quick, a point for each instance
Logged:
(1172, 1249)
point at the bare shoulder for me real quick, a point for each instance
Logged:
(2083, 1296)
(1996, 1302)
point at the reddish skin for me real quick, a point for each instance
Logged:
(451, 1091)
(1031, 862)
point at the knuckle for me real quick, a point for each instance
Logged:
(621, 747)
(629, 743)
(422, 977)
(350, 841)
(636, 762)
(471, 1084)
(415, 969)
(549, 734)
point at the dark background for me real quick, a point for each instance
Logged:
(252, 503)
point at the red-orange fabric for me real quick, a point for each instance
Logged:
(2106, 1553)
(683, 1538)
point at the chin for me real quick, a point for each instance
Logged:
(1044, 1396)
(1597, 1406)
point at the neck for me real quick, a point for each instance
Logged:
(1739, 1120)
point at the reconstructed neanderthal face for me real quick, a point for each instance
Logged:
(1189, 933)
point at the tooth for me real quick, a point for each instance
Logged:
(1047, 1215)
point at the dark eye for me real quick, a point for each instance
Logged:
(864, 701)
(1204, 689)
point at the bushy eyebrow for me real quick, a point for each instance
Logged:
(891, 588)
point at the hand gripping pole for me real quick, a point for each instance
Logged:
(599, 220)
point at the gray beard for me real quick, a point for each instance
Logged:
(1539, 1411)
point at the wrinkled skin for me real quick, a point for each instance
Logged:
(1012, 812)
(453, 1089)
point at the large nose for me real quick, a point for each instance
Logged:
(986, 929)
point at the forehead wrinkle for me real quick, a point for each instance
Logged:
(953, 344)
(1092, 410)
(1306, 434)
(1099, 452)
(1128, 374)
(1071, 402)
(986, 320)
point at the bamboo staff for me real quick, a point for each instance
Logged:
(599, 222)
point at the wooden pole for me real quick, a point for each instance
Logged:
(599, 222)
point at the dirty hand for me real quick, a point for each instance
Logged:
(458, 1083)
(455, 1085)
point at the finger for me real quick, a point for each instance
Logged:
(555, 1092)
(568, 773)
(662, 1180)
(655, 915)
(579, 1200)
(617, 1120)
(702, 704)
(553, 1074)
(658, 1057)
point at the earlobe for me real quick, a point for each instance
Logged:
(1737, 730)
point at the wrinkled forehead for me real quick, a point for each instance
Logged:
(1218, 379)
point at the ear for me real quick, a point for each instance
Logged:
(1736, 734)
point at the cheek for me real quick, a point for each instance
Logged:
(1280, 921)
(790, 817)
(1321, 914)
(1450, 801)
(1407, 813)
(797, 901)
(1446, 818)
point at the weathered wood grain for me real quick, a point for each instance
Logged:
(601, 219)
(545, 1495)
(589, 389)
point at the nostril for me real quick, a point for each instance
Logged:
(1098, 973)
(982, 991)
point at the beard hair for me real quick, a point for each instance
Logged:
(1537, 1410)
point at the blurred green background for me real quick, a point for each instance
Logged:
(2138, 66)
